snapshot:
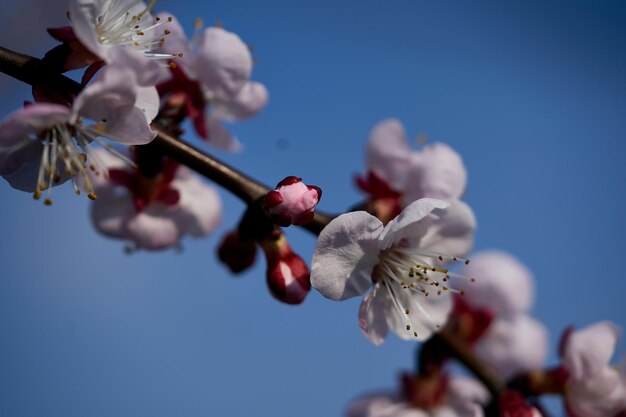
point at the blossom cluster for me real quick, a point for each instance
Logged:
(406, 249)
(141, 71)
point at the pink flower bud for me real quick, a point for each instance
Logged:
(512, 404)
(288, 276)
(293, 202)
(236, 253)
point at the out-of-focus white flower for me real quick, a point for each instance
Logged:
(45, 144)
(355, 252)
(435, 171)
(460, 397)
(153, 212)
(593, 388)
(213, 73)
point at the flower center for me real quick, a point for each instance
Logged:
(407, 269)
(119, 24)
(61, 157)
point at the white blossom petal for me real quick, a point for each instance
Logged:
(514, 346)
(199, 203)
(372, 314)
(345, 255)
(589, 350)
(388, 152)
(407, 219)
(452, 232)
(436, 171)
(426, 314)
(154, 228)
(503, 285)
(223, 62)
(602, 395)
(111, 212)
(219, 136)
(247, 103)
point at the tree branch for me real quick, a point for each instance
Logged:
(32, 71)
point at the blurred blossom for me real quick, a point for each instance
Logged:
(511, 346)
(156, 211)
(424, 397)
(213, 74)
(502, 287)
(356, 252)
(397, 175)
(44, 144)
(594, 388)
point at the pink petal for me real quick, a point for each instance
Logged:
(589, 350)
(388, 152)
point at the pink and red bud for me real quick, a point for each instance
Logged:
(236, 253)
(288, 276)
(292, 202)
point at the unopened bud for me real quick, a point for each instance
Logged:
(293, 202)
(288, 276)
(236, 253)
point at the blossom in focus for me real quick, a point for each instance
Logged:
(44, 144)
(593, 387)
(445, 397)
(410, 293)
(210, 83)
(292, 202)
(110, 29)
(397, 175)
(514, 341)
(152, 211)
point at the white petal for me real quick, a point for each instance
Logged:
(514, 346)
(250, 100)
(426, 314)
(147, 100)
(110, 214)
(451, 232)
(154, 228)
(467, 394)
(503, 285)
(602, 395)
(436, 171)
(83, 17)
(589, 350)
(223, 62)
(147, 72)
(372, 312)
(345, 255)
(219, 136)
(388, 152)
(199, 203)
(408, 219)
(382, 404)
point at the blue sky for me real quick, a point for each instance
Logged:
(532, 95)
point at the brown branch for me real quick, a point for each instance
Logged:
(32, 71)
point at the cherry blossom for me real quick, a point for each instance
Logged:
(292, 202)
(213, 74)
(119, 29)
(44, 144)
(398, 175)
(514, 341)
(593, 388)
(409, 293)
(153, 212)
(446, 397)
